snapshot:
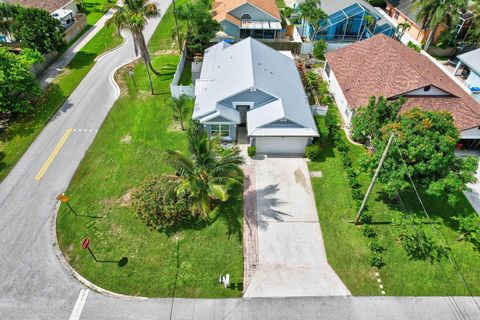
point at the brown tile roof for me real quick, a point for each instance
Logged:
(382, 66)
(222, 8)
(49, 5)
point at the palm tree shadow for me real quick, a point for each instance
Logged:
(266, 204)
(231, 212)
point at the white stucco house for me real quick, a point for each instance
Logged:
(249, 88)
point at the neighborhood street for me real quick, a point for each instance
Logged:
(35, 285)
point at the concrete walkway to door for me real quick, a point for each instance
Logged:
(292, 259)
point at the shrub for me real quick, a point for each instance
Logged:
(375, 246)
(319, 49)
(417, 244)
(357, 194)
(368, 231)
(312, 151)
(470, 229)
(376, 260)
(321, 127)
(415, 47)
(158, 205)
(252, 151)
(366, 217)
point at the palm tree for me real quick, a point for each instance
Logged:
(435, 12)
(179, 106)
(207, 173)
(132, 16)
(313, 15)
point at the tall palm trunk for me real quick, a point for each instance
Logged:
(142, 44)
(138, 46)
(430, 37)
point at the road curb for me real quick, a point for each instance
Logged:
(111, 50)
(70, 270)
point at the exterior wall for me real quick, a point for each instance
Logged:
(258, 98)
(230, 29)
(71, 32)
(473, 133)
(339, 97)
(232, 128)
(473, 80)
(415, 29)
(255, 13)
(71, 6)
(434, 91)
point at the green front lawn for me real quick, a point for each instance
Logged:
(128, 149)
(23, 130)
(347, 249)
(93, 9)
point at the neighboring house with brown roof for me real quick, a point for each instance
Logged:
(49, 5)
(258, 19)
(382, 66)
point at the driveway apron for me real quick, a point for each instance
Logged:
(292, 259)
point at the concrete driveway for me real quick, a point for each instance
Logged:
(291, 254)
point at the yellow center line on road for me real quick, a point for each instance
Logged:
(54, 154)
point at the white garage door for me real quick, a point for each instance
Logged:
(281, 145)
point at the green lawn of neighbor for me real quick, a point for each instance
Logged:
(128, 149)
(347, 249)
(23, 130)
(93, 9)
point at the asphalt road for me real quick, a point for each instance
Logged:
(35, 285)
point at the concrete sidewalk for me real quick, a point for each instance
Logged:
(51, 72)
(292, 259)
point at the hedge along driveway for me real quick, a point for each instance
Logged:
(23, 129)
(347, 249)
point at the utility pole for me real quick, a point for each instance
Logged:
(375, 176)
(176, 25)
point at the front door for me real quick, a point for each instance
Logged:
(243, 113)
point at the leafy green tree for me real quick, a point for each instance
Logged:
(418, 244)
(18, 86)
(312, 13)
(435, 12)
(469, 226)
(319, 49)
(426, 141)
(368, 120)
(473, 34)
(201, 27)
(132, 16)
(180, 107)
(34, 28)
(207, 173)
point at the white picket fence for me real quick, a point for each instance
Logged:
(177, 90)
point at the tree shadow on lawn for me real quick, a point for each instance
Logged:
(230, 213)
(436, 207)
(326, 151)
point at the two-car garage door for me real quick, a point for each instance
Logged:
(272, 145)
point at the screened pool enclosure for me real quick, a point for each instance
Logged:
(352, 23)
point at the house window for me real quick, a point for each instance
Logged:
(327, 70)
(396, 15)
(246, 16)
(221, 130)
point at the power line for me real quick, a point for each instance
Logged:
(450, 258)
(457, 309)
